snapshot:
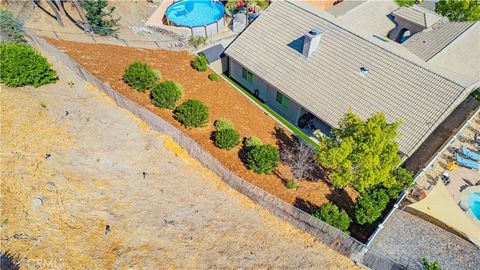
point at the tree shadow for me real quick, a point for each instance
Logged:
(8, 261)
(242, 153)
(80, 25)
(44, 10)
(340, 198)
(306, 206)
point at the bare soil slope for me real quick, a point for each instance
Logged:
(179, 215)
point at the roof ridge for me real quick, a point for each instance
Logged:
(370, 42)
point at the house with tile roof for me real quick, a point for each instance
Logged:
(305, 63)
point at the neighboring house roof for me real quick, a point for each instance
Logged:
(368, 16)
(329, 83)
(345, 6)
(417, 15)
(452, 45)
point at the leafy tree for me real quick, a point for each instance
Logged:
(263, 159)
(370, 206)
(427, 265)
(459, 10)
(227, 138)
(330, 213)
(192, 113)
(10, 28)
(100, 17)
(361, 153)
(166, 94)
(22, 65)
(405, 2)
(404, 179)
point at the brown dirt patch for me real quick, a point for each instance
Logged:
(107, 62)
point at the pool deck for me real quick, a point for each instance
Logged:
(460, 177)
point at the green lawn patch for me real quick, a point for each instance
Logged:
(284, 121)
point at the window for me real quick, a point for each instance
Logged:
(247, 75)
(282, 99)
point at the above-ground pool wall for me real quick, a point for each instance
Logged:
(265, 92)
(209, 30)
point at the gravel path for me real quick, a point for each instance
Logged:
(176, 215)
(407, 238)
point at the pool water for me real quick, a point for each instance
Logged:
(474, 204)
(194, 13)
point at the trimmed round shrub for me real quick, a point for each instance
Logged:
(330, 213)
(213, 76)
(200, 63)
(192, 113)
(252, 142)
(223, 123)
(166, 94)
(263, 159)
(22, 65)
(227, 138)
(293, 184)
(370, 206)
(140, 76)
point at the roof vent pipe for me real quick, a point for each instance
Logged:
(311, 42)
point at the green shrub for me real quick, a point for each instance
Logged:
(292, 184)
(22, 65)
(406, 3)
(166, 94)
(100, 17)
(192, 113)
(10, 29)
(200, 63)
(476, 94)
(330, 213)
(261, 3)
(140, 76)
(223, 123)
(197, 41)
(252, 142)
(227, 138)
(263, 159)
(213, 76)
(370, 206)
(427, 265)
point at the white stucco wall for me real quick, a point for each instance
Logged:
(266, 92)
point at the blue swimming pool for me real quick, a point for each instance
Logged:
(194, 13)
(474, 204)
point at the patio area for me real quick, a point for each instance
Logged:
(458, 180)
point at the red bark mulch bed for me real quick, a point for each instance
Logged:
(108, 62)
